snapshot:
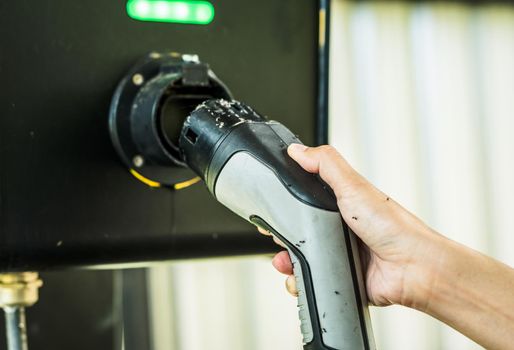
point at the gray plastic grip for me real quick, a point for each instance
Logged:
(250, 188)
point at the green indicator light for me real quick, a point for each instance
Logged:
(174, 11)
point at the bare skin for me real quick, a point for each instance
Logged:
(407, 263)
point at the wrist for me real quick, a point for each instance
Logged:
(426, 272)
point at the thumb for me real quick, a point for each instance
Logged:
(329, 164)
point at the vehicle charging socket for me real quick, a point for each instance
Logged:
(149, 108)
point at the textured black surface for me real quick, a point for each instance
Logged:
(222, 129)
(207, 127)
(65, 197)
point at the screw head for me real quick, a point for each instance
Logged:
(138, 79)
(191, 58)
(138, 161)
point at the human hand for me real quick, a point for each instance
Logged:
(405, 262)
(397, 245)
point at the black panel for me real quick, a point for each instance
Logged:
(65, 198)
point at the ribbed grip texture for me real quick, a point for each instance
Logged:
(303, 307)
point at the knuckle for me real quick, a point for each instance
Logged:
(328, 152)
(327, 148)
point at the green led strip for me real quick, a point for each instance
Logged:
(172, 11)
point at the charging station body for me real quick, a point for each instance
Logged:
(66, 199)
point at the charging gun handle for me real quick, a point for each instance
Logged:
(331, 300)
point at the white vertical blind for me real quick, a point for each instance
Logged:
(495, 54)
(228, 304)
(422, 104)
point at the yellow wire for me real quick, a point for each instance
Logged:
(155, 184)
(144, 179)
(184, 184)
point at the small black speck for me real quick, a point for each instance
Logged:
(324, 315)
(296, 244)
(388, 198)
(302, 242)
(354, 218)
(336, 292)
(324, 330)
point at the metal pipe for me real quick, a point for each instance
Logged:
(17, 291)
(16, 329)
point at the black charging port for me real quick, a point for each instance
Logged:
(149, 108)
(174, 112)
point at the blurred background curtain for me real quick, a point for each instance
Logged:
(422, 104)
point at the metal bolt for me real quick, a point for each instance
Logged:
(138, 161)
(190, 58)
(138, 79)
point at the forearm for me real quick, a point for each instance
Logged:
(472, 293)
